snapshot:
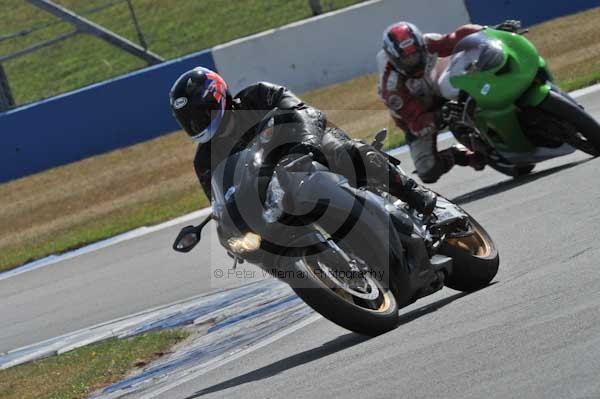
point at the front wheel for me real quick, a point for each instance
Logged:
(359, 302)
(581, 129)
(475, 260)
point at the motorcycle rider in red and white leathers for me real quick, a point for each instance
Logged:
(410, 64)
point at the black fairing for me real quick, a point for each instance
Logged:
(377, 231)
(375, 228)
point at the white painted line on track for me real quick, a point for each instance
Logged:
(586, 91)
(139, 232)
(404, 149)
(205, 368)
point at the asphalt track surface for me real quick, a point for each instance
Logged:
(534, 333)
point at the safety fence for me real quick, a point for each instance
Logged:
(313, 53)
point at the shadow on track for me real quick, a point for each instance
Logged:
(432, 307)
(338, 344)
(329, 348)
(512, 183)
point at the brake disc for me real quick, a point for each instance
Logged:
(364, 293)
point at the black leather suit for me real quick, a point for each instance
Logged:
(298, 129)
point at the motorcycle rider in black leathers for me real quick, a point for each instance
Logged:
(222, 124)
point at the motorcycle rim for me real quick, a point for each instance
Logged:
(475, 260)
(380, 304)
(477, 244)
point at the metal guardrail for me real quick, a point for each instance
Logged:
(6, 99)
(82, 25)
(38, 46)
(45, 25)
(87, 26)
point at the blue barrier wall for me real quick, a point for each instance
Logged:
(488, 12)
(92, 120)
(134, 108)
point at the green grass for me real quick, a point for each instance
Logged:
(78, 373)
(133, 192)
(586, 80)
(124, 219)
(77, 204)
(171, 28)
(394, 140)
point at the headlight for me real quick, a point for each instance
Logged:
(274, 202)
(248, 243)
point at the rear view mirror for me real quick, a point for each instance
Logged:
(379, 139)
(187, 239)
(189, 236)
(381, 135)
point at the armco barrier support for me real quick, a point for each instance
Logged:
(330, 48)
(530, 12)
(92, 120)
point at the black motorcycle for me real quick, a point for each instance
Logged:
(356, 255)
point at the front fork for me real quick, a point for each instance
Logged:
(464, 128)
(492, 132)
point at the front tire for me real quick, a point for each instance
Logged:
(363, 317)
(475, 260)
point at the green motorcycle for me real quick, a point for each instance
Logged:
(505, 105)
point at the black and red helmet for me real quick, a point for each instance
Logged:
(405, 47)
(199, 99)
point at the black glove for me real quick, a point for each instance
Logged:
(452, 112)
(510, 25)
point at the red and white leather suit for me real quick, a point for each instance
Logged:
(414, 104)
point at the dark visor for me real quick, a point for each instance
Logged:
(193, 120)
(408, 63)
(200, 121)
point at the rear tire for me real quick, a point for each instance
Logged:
(339, 308)
(561, 107)
(475, 260)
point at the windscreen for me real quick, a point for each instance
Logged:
(475, 53)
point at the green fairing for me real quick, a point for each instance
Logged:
(494, 122)
(497, 91)
(538, 92)
(535, 95)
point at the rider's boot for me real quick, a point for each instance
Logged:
(416, 196)
(399, 185)
(462, 156)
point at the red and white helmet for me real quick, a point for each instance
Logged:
(405, 47)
